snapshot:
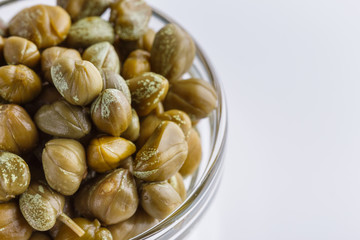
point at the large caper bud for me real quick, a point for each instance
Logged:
(147, 90)
(39, 236)
(111, 199)
(64, 163)
(14, 176)
(44, 25)
(88, 31)
(162, 155)
(159, 199)
(106, 153)
(114, 80)
(103, 56)
(111, 112)
(133, 131)
(130, 18)
(12, 224)
(194, 96)
(177, 182)
(19, 50)
(172, 53)
(137, 63)
(93, 231)
(84, 8)
(62, 119)
(18, 131)
(19, 84)
(194, 154)
(79, 82)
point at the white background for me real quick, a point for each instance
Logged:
(291, 71)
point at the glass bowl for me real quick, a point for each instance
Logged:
(203, 184)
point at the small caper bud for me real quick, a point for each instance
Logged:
(79, 8)
(137, 63)
(19, 50)
(146, 41)
(147, 128)
(177, 182)
(133, 131)
(193, 159)
(114, 80)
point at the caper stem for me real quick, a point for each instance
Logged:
(71, 224)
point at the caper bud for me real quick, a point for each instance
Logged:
(114, 80)
(62, 119)
(146, 41)
(194, 155)
(172, 53)
(130, 18)
(19, 84)
(78, 81)
(147, 90)
(128, 164)
(111, 199)
(106, 153)
(103, 56)
(133, 131)
(177, 182)
(159, 199)
(147, 128)
(111, 112)
(18, 131)
(194, 96)
(39, 236)
(64, 163)
(88, 31)
(44, 25)
(19, 50)
(84, 8)
(12, 224)
(137, 63)
(163, 153)
(14, 176)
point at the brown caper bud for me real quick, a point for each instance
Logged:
(18, 131)
(194, 154)
(146, 41)
(78, 81)
(19, 84)
(147, 90)
(106, 153)
(133, 131)
(138, 223)
(88, 31)
(19, 50)
(130, 18)
(172, 53)
(114, 80)
(78, 9)
(12, 224)
(44, 25)
(50, 55)
(178, 117)
(163, 153)
(64, 163)
(194, 96)
(159, 199)
(14, 176)
(147, 128)
(39, 236)
(177, 182)
(103, 56)
(111, 199)
(111, 112)
(136, 64)
(62, 119)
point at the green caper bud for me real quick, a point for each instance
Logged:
(64, 162)
(14, 176)
(62, 119)
(78, 81)
(159, 199)
(78, 9)
(111, 199)
(172, 53)
(39, 236)
(194, 96)
(137, 63)
(12, 224)
(193, 159)
(127, 164)
(114, 80)
(177, 182)
(103, 56)
(111, 112)
(19, 50)
(147, 90)
(163, 153)
(133, 131)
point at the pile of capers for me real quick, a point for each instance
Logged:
(97, 125)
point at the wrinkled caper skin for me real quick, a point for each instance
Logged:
(14, 176)
(111, 112)
(194, 96)
(103, 56)
(18, 131)
(111, 199)
(44, 25)
(193, 159)
(39, 236)
(64, 162)
(163, 153)
(78, 81)
(78, 9)
(137, 63)
(19, 50)
(172, 53)
(19, 84)
(159, 199)
(177, 182)
(12, 224)
(93, 231)
(133, 131)
(114, 80)
(62, 119)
